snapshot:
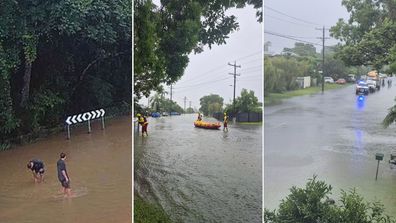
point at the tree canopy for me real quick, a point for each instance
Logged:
(246, 102)
(368, 35)
(165, 35)
(59, 58)
(210, 104)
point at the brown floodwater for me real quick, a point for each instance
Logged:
(99, 166)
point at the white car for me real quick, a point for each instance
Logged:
(328, 80)
(371, 84)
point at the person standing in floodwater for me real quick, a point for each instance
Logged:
(144, 125)
(37, 168)
(199, 117)
(141, 121)
(63, 176)
(225, 122)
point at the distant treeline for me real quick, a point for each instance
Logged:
(59, 58)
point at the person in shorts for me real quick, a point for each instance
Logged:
(225, 122)
(37, 168)
(63, 177)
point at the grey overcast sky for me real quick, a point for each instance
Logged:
(207, 72)
(308, 15)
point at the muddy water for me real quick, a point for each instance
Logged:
(334, 136)
(99, 165)
(200, 175)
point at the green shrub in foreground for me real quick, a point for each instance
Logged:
(312, 204)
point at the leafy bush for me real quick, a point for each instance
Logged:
(312, 204)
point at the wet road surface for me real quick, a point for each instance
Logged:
(200, 175)
(99, 166)
(334, 136)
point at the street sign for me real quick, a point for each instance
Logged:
(74, 119)
(85, 117)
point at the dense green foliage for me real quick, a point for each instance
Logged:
(210, 104)
(165, 35)
(158, 103)
(281, 71)
(313, 204)
(59, 58)
(247, 102)
(368, 36)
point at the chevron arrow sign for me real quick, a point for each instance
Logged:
(74, 119)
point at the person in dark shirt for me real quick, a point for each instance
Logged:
(37, 168)
(63, 177)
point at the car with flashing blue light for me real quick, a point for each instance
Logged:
(362, 88)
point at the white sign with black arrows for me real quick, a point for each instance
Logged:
(74, 119)
(85, 117)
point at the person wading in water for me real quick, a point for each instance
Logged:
(63, 177)
(37, 168)
(225, 122)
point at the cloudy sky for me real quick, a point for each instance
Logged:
(299, 20)
(208, 72)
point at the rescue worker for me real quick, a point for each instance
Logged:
(144, 125)
(225, 122)
(199, 117)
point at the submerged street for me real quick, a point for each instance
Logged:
(334, 136)
(201, 175)
(99, 166)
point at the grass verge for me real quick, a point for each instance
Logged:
(276, 98)
(148, 213)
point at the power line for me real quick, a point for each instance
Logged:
(221, 67)
(295, 23)
(200, 84)
(282, 13)
(290, 37)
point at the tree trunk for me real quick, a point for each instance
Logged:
(26, 83)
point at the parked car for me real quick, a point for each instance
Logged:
(155, 115)
(328, 80)
(362, 88)
(341, 81)
(351, 78)
(165, 113)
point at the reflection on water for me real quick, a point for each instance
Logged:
(335, 136)
(200, 175)
(99, 165)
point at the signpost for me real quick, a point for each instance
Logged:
(379, 157)
(85, 117)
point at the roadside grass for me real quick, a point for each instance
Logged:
(148, 213)
(276, 98)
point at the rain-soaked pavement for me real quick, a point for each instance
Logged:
(335, 137)
(200, 175)
(99, 166)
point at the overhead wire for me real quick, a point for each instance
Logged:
(282, 13)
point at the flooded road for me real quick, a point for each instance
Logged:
(99, 166)
(200, 175)
(334, 136)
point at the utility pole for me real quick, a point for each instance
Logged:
(171, 92)
(170, 101)
(323, 55)
(185, 99)
(234, 74)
